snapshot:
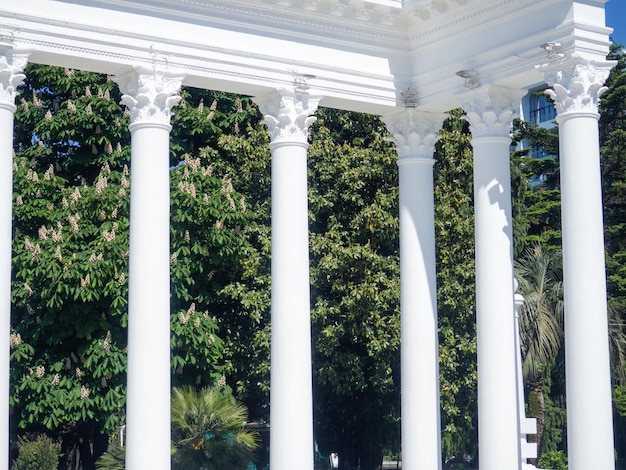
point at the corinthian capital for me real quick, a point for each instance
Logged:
(149, 94)
(490, 110)
(12, 66)
(288, 114)
(577, 83)
(414, 132)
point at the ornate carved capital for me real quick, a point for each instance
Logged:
(12, 66)
(414, 132)
(288, 114)
(149, 94)
(577, 83)
(491, 109)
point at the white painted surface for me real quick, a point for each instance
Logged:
(11, 68)
(589, 411)
(291, 398)
(149, 96)
(415, 134)
(490, 113)
(6, 200)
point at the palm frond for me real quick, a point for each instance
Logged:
(208, 430)
(541, 317)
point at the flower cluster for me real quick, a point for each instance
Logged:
(106, 344)
(183, 318)
(101, 184)
(73, 220)
(15, 339)
(187, 187)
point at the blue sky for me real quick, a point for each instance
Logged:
(616, 19)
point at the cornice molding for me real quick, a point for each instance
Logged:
(474, 15)
(278, 76)
(358, 62)
(351, 20)
(131, 48)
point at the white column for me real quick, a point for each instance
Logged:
(149, 96)
(11, 68)
(577, 87)
(288, 117)
(415, 133)
(490, 111)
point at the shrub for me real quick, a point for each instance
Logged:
(553, 459)
(40, 453)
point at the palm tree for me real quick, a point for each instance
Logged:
(541, 323)
(209, 431)
(617, 342)
(113, 459)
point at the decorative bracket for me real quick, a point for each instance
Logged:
(471, 78)
(300, 80)
(553, 50)
(409, 98)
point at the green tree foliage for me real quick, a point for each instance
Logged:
(71, 254)
(69, 285)
(536, 194)
(353, 196)
(613, 150)
(612, 155)
(71, 199)
(209, 431)
(242, 152)
(454, 230)
(353, 201)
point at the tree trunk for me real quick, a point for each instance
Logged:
(100, 442)
(370, 459)
(84, 445)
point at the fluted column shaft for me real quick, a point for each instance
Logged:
(490, 113)
(149, 96)
(577, 85)
(288, 116)
(11, 68)
(415, 134)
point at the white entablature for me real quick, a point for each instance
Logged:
(360, 55)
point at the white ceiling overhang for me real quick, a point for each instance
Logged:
(361, 55)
